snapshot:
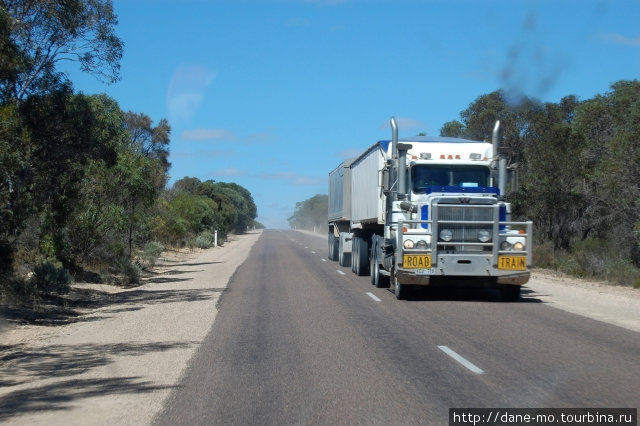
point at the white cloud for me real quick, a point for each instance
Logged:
(298, 22)
(350, 153)
(227, 172)
(186, 91)
(324, 2)
(207, 135)
(261, 137)
(293, 178)
(620, 39)
(404, 123)
(203, 154)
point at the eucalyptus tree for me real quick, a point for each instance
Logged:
(43, 33)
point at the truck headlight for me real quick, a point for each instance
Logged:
(505, 245)
(484, 236)
(421, 245)
(408, 244)
(518, 246)
(446, 235)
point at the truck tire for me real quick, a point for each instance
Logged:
(382, 281)
(510, 293)
(401, 290)
(373, 277)
(361, 257)
(354, 254)
(333, 247)
(344, 258)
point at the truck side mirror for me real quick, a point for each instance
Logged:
(383, 180)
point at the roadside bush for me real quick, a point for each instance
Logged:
(596, 259)
(51, 277)
(544, 255)
(204, 240)
(152, 251)
(129, 271)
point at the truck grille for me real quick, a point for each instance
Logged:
(465, 232)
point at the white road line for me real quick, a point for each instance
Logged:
(313, 252)
(373, 296)
(340, 272)
(460, 359)
(324, 260)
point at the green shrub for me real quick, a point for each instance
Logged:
(204, 239)
(622, 271)
(544, 255)
(596, 259)
(51, 277)
(152, 251)
(130, 271)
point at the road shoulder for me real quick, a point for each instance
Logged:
(118, 363)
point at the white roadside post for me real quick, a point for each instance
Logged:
(215, 238)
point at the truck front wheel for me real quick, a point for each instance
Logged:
(401, 290)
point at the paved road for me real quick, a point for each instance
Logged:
(301, 340)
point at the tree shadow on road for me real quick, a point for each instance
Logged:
(75, 306)
(25, 365)
(59, 396)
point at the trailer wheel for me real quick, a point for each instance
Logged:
(344, 258)
(333, 247)
(510, 293)
(354, 255)
(373, 276)
(361, 257)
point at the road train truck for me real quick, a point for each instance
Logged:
(428, 211)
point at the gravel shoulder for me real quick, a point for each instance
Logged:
(117, 363)
(597, 300)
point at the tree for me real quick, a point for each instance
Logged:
(453, 129)
(311, 214)
(480, 117)
(147, 140)
(552, 194)
(46, 32)
(244, 209)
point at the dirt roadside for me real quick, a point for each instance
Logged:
(597, 300)
(117, 363)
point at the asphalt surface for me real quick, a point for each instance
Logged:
(300, 340)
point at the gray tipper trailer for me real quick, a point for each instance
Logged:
(428, 211)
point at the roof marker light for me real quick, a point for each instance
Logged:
(425, 156)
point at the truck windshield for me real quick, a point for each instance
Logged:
(424, 176)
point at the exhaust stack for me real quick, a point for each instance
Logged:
(394, 138)
(494, 139)
(501, 161)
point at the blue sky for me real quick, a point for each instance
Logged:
(273, 94)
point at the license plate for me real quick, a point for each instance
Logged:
(416, 261)
(512, 263)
